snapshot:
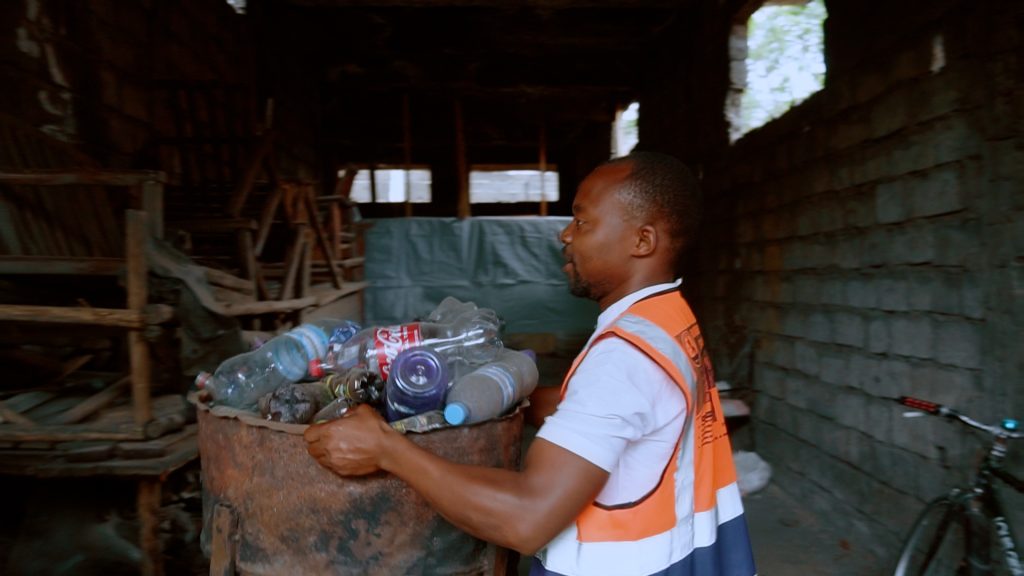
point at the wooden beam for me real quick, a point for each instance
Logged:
(59, 265)
(82, 177)
(241, 193)
(93, 403)
(136, 236)
(132, 319)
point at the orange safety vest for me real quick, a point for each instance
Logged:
(665, 329)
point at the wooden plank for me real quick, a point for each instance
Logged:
(83, 176)
(9, 415)
(136, 232)
(69, 433)
(93, 403)
(321, 237)
(292, 262)
(267, 218)
(221, 278)
(43, 464)
(253, 165)
(99, 266)
(215, 225)
(25, 401)
(58, 314)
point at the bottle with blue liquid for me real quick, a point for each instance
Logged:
(240, 381)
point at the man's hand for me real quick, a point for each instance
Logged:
(352, 445)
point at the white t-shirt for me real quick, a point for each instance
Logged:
(621, 411)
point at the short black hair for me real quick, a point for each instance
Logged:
(660, 186)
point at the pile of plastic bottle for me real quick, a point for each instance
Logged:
(449, 369)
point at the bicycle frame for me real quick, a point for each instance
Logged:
(990, 513)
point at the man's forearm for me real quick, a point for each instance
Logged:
(492, 504)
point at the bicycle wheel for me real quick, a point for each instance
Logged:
(937, 543)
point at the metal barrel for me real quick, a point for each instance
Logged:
(269, 508)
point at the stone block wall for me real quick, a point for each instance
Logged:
(869, 244)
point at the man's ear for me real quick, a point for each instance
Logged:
(646, 241)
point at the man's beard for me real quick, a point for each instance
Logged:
(579, 287)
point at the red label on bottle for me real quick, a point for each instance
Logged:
(391, 340)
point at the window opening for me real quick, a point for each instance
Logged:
(625, 130)
(778, 60)
(390, 185)
(506, 184)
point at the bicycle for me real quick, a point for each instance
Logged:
(957, 533)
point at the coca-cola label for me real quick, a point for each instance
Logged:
(391, 340)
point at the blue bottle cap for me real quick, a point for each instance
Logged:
(456, 413)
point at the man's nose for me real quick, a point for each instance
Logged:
(565, 236)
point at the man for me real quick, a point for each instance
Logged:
(632, 474)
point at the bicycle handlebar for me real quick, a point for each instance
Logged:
(939, 410)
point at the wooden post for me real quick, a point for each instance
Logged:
(138, 348)
(543, 163)
(153, 206)
(293, 262)
(147, 503)
(461, 168)
(321, 237)
(407, 149)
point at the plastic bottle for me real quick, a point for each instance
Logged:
(417, 383)
(471, 338)
(240, 381)
(449, 309)
(492, 389)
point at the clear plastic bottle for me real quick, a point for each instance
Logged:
(471, 338)
(416, 384)
(240, 381)
(492, 389)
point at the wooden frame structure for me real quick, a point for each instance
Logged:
(142, 221)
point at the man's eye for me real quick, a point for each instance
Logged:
(578, 222)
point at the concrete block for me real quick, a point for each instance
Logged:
(859, 207)
(893, 294)
(807, 288)
(942, 190)
(876, 419)
(912, 336)
(806, 357)
(958, 342)
(863, 372)
(972, 296)
(771, 381)
(878, 335)
(833, 369)
(894, 378)
(860, 292)
(848, 329)
(914, 245)
(832, 291)
(949, 386)
(817, 327)
(958, 243)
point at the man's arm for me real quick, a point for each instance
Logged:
(543, 403)
(518, 510)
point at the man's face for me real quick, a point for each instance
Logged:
(597, 241)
